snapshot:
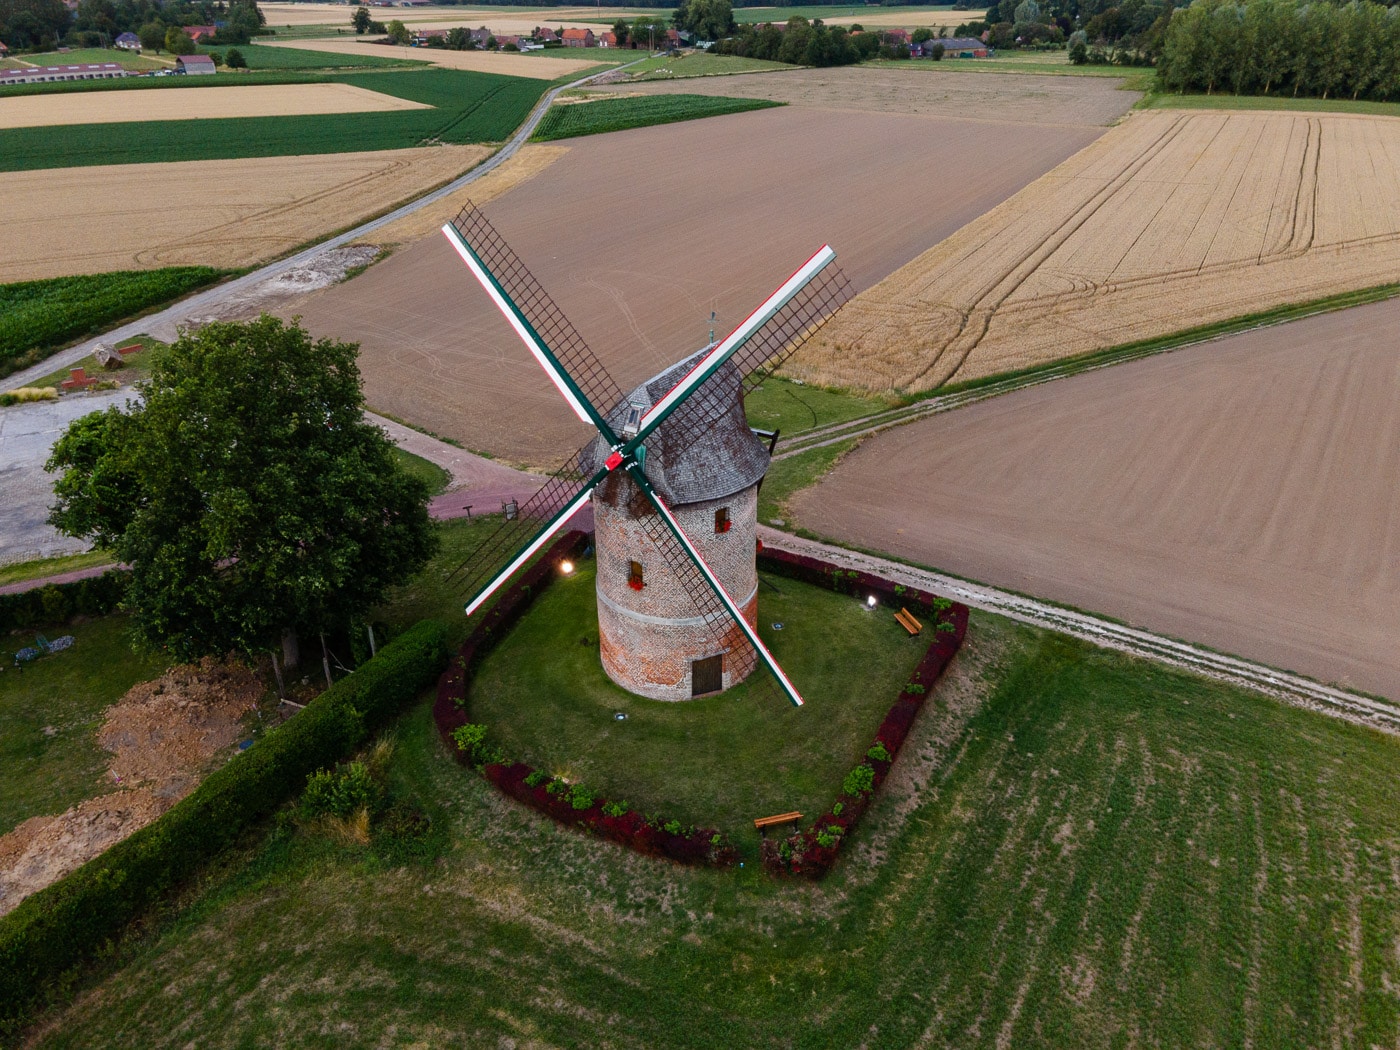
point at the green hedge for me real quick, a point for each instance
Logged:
(71, 922)
(57, 603)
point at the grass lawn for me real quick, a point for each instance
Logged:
(1105, 853)
(719, 761)
(434, 475)
(620, 114)
(700, 64)
(83, 55)
(781, 404)
(1167, 100)
(41, 567)
(36, 316)
(790, 476)
(68, 691)
(1051, 63)
(260, 56)
(431, 593)
(466, 107)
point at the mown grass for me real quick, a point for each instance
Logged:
(38, 315)
(1168, 100)
(467, 107)
(260, 56)
(700, 64)
(68, 690)
(82, 55)
(432, 593)
(781, 404)
(135, 367)
(789, 476)
(433, 475)
(1107, 853)
(718, 761)
(620, 114)
(843, 12)
(40, 568)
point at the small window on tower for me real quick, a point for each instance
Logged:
(722, 521)
(634, 575)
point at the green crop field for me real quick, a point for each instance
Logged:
(38, 315)
(263, 57)
(468, 107)
(1076, 848)
(848, 12)
(699, 64)
(620, 114)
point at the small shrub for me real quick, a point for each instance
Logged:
(915, 688)
(537, 777)
(235, 60)
(829, 835)
(615, 809)
(672, 827)
(859, 781)
(471, 740)
(836, 809)
(340, 792)
(557, 787)
(580, 797)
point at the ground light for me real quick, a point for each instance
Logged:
(566, 567)
(870, 602)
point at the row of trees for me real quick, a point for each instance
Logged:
(808, 43)
(40, 24)
(1262, 47)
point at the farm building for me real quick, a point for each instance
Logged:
(192, 65)
(580, 38)
(607, 40)
(198, 33)
(4, 51)
(547, 36)
(422, 37)
(53, 74)
(895, 37)
(959, 47)
(127, 42)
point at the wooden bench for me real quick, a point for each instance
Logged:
(907, 621)
(764, 823)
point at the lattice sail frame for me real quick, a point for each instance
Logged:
(757, 347)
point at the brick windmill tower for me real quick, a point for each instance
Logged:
(673, 476)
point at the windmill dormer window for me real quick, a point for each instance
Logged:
(722, 521)
(633, 423)
(634, 575)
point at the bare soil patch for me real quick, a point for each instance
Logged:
(162, 736)
(1044, 101)
(476, 61)
(1238, 494)
(138, 216)
(1173, 219)
(254, 100)
(434, 351)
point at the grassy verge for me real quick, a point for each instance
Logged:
(781, 404)
(42, 567)
(1167, 100)
(136, 368)
(435, 477)
(45, 773)
(717, 762)
(619, 114)
(789, 476)
(466, 107)
(1108, 850)
(36, 316)
(1145, 347)
(700, 64)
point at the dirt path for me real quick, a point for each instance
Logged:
(1238, 493)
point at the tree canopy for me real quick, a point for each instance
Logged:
(246, 491)
(706, 19)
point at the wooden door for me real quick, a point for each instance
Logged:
(707, 675)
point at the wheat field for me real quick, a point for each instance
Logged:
(1169, 221)
(140, 216)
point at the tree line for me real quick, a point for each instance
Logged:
(43, 24)
(1284, 47)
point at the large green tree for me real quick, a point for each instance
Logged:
(361, 19)
(246, 491)
(31, 23)
(706, 19)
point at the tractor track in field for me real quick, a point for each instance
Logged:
(1285, 686)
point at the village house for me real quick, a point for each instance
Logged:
(608, 39)
(580, 38)
(195, 65)
(198, 33)
(125, 41)
(953, 47)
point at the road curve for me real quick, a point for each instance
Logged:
(202, 301)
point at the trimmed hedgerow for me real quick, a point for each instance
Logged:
(57, 603)
(72, 921)
(571, 804)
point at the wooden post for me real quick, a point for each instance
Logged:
(277, 671)
(326, 661)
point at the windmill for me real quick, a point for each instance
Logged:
(674, 622)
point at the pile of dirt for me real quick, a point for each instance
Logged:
(163, 735)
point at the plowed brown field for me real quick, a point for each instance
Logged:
(253, 100)
(1240, 493)
(1170, 220)
(638, 235)
(139, 216)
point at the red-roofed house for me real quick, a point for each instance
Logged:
(3, 49)
(580, 38)
(607, 40)
(198, 33)
(547, 36)
(895, 37)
